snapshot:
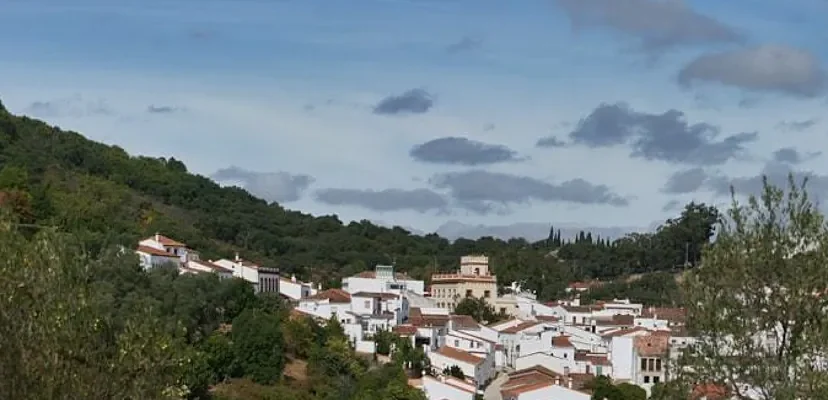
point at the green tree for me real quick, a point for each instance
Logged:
(454, 371)
(603, 389)
(299, 336)
(757, 302)
(384, 340)
(258, 345)
(478, 309)
(59, 339)
(220, 357)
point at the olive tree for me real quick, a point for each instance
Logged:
(758, 303)
(59, 339)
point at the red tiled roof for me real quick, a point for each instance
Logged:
(459, 355)
(155, 252)
(416, 318)
(547, 318)
(373, 275)
(405, 330)
(464, 322)
(616, 320)
(561, 341)
(594, 359)
(166, 241)
(651, 345)
(623, 332)
(520, 327)
(527, 380)
(333, 296)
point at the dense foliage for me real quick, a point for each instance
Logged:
(757, 304)
(603, 389)
(480, 310)
(53, 177)
(76, 326)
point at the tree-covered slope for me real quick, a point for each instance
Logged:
(103, 194)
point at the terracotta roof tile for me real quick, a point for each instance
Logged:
(464, 322)
(405, 330)
(651, 345)
(155, 252)
(333, 296)
(166, 241)
(623, 332)
(527, 380)
(373, 275)
(459, 355)
(594, 359)
(561, 341)
(520, 327)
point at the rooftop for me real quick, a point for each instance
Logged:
(155, 252)
(384, 296)
(651, 345)
(333, 296)
(561, 341)
(520, 327)
(373, 275)
(459, 355)
(166, 241)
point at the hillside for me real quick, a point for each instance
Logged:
(105, 195)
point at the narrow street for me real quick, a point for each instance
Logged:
(492, 392)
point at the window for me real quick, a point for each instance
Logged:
(643, 364)
(658, 364)
(655, 379)
(468, 293)
(367, 303)
(487, 293)
(503, 310)
(650, 365)
(646, 379)
(456, 343)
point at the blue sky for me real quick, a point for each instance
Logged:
(466, 117)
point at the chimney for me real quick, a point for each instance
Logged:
(237, 257)
(157, 237)
(293, 278)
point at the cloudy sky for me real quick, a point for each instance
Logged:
(462, 116)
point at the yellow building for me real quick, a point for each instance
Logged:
(472, 280)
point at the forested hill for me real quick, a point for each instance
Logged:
(58, 178)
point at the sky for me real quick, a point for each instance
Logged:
(462, 117)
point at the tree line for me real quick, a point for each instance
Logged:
(104, 196)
